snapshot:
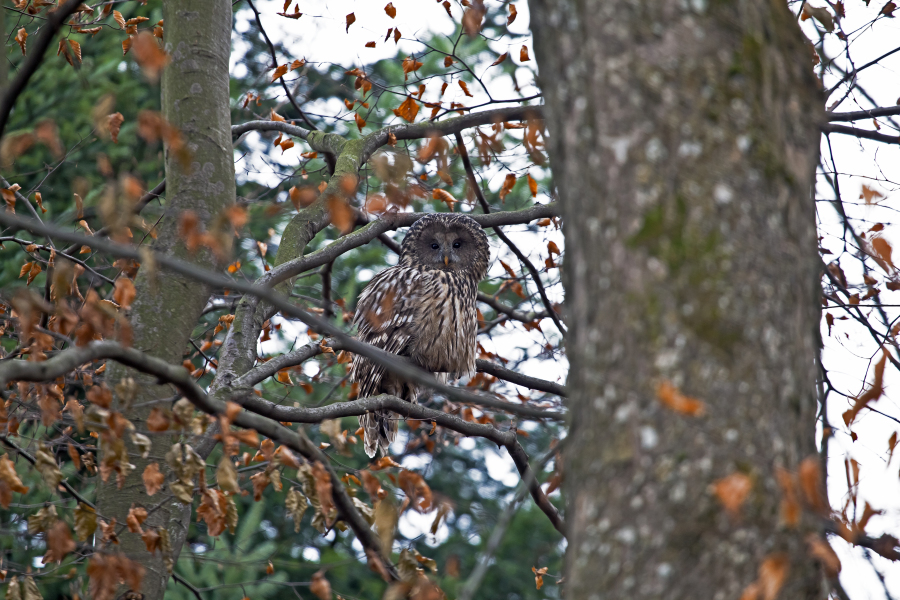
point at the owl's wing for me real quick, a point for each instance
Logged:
(385, 317)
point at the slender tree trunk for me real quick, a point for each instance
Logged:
(195, 99)
(683, 137)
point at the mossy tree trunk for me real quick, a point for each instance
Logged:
(195, 99)
(683, 138)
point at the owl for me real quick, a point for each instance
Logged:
(424, 309)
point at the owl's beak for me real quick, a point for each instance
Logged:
(446, 260)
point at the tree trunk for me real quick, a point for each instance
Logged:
(683, 138)
(195, 99)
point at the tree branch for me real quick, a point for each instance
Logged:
(67, 360)
(535, 276)
(384, 359)
(500, 372)
(869, 113)
(290, 96)
(861, 133)
(55, 20)
(507, 439)
(389, 222)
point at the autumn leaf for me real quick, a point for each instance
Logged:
(822, 551)
(416, 490)
(508, 184)
(59, 543)
(410, 65)
(499, 60)
(158, 420)
(732, 491)
(341, 214)
(279, 72)
(673, 399)
(149, 55)
(512, 15)
(820, 14)
(465, 88)
(539, 576)
(523, 54)
(445, 197)
(772, 573)
(85, 522)
(386, 517)
(153, 478)
(408, 109)
(124, 292)
(390, 10)
(790, 504)
(351, 19)
(320, 586)
(21, 36)
(532, 185)
(136, 516)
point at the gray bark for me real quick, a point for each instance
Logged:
(195, 99)
(683, 138)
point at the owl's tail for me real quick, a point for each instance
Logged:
(379, 431)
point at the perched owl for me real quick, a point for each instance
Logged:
(423, 308)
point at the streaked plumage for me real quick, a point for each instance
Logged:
(423, 308)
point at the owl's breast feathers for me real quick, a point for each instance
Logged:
(424, 314)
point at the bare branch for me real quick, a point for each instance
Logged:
(861, 133)
(500, 372)
(290, 96)
(869, 113)
(535, 276)
(55, 20)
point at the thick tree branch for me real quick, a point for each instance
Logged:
(389, 222)
(55, 20)
(507, 439)
(861, 133)
(21, 370)
(384, 359)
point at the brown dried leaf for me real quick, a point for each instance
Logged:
(672, 398)
(153, 478)
(732, 491)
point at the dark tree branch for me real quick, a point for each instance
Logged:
(388, 222)
(21, 370)
(12, 445)
(55, 20)
(507, 439)
(500, 372)
(861, 133)
(290, 96)
(512, 313)
(869, 113)
(384, 359)
(535, 276)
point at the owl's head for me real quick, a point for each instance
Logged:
(448, 242)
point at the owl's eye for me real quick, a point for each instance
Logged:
(434, 246)
(457, 244)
